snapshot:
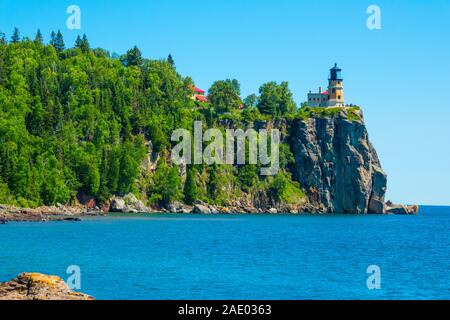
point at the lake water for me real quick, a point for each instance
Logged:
(239, 257)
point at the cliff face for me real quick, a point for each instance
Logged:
(337, 165)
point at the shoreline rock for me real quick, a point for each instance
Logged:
(36, 286)
(399, 209)
(130, 204)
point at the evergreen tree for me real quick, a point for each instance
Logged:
(171, 61)
(39, 39)
(85, 44)
(53, 39)
(57, 41)
(78, 42)
(82, 43)
(190, 187)
(16, 36)
(133, 58)
(2, 38)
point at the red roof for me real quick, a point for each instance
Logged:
(326, 92)
(197, 90)
(202, 98)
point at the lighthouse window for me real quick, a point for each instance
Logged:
(339, 97)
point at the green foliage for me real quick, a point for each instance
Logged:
(283, 189)
(286, 156)
(82, 43)
(75, 120)
(221, 184)
(39, 39)
(133, 58)
(353, 113)
(190, 187)
(57, 41)
(251, 101)
(224, 96)
(15, 38)
(248, 176)
(5, 195)
(78, 121)
(275, 99)
(166, 185)
(171, 61)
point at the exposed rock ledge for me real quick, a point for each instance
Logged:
(401, 209)
(43, 214)
(36, 286)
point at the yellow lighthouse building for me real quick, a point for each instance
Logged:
(334, 97)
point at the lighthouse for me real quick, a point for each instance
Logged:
(335, 88)
(334, 96)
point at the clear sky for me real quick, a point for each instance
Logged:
(399, 74)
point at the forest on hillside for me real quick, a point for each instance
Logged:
(77, 120)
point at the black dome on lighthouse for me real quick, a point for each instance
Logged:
(335, 73)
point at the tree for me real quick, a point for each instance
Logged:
(275, 100)
(133, 58)
(82, 43)
(166, 184)
(78, 42)
(39, 39)
(57, 41)
(2, 38)
(224, 95)
(15, 36)
(251, 101)
(171, 61)
(190, 187)
(54, 189)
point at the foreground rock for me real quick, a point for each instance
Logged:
(36, 286)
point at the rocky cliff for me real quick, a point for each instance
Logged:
(336, 164)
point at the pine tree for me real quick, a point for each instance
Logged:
(53, 39)
(133, 57)
(39, 39)
(78, 42)
(84, 44)
(57, 41)
(170, 60)
(60, 42)
(2, 38)
(190, 187)
(16, 36)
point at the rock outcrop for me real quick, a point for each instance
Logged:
(337, 165)
(202, 209)
(36, 286)
(401, 209)
(127, 204)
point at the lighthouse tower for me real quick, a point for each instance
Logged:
(335, 88)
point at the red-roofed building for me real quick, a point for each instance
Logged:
(202, 98)
(198, 90)
(198, 94)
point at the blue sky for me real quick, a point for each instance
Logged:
(399, 74)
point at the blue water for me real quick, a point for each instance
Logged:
(239, 257)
